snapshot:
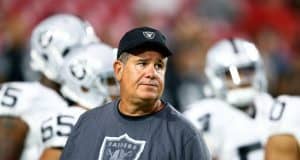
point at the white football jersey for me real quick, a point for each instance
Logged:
(30, 101)
(56, 128)
(279, 115)
(229, 133)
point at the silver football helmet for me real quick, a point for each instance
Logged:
(53, 38)
(235, 71)
(88, 75)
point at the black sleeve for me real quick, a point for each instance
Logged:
(196, 149)
(70, 147)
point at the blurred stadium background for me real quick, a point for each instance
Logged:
(191, 25)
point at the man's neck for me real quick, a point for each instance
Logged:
(49, 83)
(139, 109)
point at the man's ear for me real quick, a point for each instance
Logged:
(118, 69)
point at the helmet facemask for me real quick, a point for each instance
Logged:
(111, 84)
(239, 85)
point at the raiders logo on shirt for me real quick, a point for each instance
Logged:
(121, 148)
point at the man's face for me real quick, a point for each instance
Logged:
(142, 77)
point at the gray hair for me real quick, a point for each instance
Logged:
(124, 57)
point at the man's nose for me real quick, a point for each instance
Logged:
(151, 71)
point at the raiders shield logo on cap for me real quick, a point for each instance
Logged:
(149, 35)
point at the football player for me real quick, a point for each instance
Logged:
(244, 86)
(88, 82)
(235, 72)
(24, 104)
(230, 133)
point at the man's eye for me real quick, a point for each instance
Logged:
(142, 64)
(159, 66)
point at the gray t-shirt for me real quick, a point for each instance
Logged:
(105, 134)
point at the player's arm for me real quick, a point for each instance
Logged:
(13, 133)
(51, 154)
(283, 146)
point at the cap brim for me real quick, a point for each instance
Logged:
(155, 46)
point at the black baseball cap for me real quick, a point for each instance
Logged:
(143, 38)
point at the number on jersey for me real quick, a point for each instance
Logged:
(277, 110)
(204, 122)
(245, 150)
(59, 126)
(9, 96)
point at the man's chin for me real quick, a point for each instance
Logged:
(149, 97)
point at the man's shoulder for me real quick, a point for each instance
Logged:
(182, 129)
(32, 92)
(207, 107)
(28, 97)
(179, 121)
(23, 87)
(105, 109)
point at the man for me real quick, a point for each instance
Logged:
(24, 104)
(139, 125)
(236, 76)
(87, 79)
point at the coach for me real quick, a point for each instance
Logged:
(138, 125)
